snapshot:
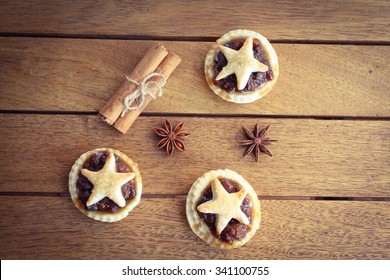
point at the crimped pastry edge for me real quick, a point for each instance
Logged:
(96, 215)
(200, 228)
(241, 97)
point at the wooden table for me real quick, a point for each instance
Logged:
(325, 193)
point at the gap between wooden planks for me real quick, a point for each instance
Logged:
(291, 20)
(312, 158)
(52, 228)
(80, 75)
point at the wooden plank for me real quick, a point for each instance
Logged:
(279, 20)
(52, 228)
(81, 75)
(311, 157)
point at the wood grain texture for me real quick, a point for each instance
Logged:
(81, 75)
(52, 228)
(279, 20)
(311, 157)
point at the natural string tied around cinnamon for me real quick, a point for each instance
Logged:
(146, 86)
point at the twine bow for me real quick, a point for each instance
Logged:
(146, 86)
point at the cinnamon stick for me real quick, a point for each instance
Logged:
(170, 62)
(148, 64)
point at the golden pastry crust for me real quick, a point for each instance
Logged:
(98, 215)
(241, 96)
(200, 228)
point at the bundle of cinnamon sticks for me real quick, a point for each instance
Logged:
(157, 60)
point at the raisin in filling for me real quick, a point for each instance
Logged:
(84, 186)
(234, 230)
(256, 79)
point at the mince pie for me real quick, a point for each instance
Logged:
(105, 184)
(223, 209)
(241, 66)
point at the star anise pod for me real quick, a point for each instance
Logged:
(256, 142)
(172, 137)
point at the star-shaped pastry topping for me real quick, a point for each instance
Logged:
(242, 63)
(107, 182)
(225, 205)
